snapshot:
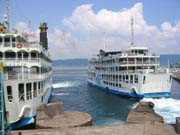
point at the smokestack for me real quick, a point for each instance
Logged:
(43, 35)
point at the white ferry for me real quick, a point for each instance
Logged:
(27, 75)
(133, 72)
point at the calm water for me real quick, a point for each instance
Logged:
(70, 87)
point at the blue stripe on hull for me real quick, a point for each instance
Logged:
(157, 95)
(21, 123)
(133, 95)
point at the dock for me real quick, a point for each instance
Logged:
(140, 121)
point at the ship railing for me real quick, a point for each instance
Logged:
(127, 63)
(24, 60)
(20, 60)
(24, 76)
(144, 71)
(21, 44)
(161, 70)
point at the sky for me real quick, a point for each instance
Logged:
(80, 28)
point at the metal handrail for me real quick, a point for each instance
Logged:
(23, 76)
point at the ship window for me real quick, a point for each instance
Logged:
(136, 79)
(123, 78)
(9, 93)
(116, 78)
(141, 52)
(39, 87)
(34, 89)
(1, 40)
(1, 54)
(144, 79)
(13, 42)
(21, 92)
(120, 78)
(127, 79)
(28, 91)
(13, 39)
(7, 41)
(42, 87)
(131, 78)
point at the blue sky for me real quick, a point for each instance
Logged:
(59, 16)
(53, 11)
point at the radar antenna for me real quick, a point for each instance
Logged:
(132, 32)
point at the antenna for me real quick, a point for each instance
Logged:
(6, 16)
(132, 32)
(104, 41)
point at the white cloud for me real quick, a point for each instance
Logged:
(116, 26)
(84, 19)
(61, 44)
(87, 32)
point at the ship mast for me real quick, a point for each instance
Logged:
(6, 16)
(132, 32)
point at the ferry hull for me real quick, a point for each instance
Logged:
(28, 120)
(131, 95)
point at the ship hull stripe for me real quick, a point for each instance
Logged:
(132, 95)
(21, 123)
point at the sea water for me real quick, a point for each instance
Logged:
(70, 87)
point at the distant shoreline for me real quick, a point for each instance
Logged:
(70, 69)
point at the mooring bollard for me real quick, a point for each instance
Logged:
(178, 125)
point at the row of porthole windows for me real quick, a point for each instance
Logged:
(31, 90)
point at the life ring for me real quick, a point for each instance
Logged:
(19, 45)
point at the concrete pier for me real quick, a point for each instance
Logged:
(144, 112)
(140, 121)
(53, 116)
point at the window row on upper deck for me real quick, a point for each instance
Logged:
(142, 60)
(10, 40)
